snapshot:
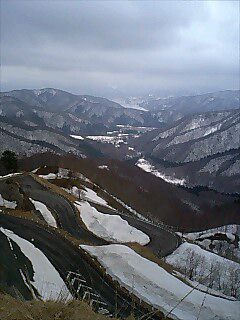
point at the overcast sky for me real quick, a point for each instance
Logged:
(125, 47)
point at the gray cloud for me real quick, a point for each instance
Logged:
(136, 47)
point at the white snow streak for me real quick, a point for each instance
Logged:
(146, 166)
(47, 280)
(45, 212)
(76, 137)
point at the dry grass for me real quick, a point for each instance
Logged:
(58, 190)
(30, 215)
(14, 309)
(53, 187)
(148, 254)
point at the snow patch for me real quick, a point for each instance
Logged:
(10, 175)
(109, 227)
(47, 215)
(46, 279)
(157, 287)
(104, 167)
(50, 176)
(146, 166)
(91, 195)
(7, 204)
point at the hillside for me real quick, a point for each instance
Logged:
(201, 149)
(62, 232)
(173, 108)
(75, 113)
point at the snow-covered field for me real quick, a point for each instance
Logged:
(46, 279)
(62, 173)
(115, 140)
(7, 204)
(146, 166)
(45, 212)
(109, 227)
(206, 267)
(159, 288)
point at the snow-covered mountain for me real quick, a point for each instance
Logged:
(26, 140)
(51, 103)
(199, 148)
(203, 149)
(174, 108)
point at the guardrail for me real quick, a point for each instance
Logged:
(81, 289)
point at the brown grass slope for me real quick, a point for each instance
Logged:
(16, 309)
(148, 194)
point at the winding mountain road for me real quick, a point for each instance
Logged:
(66, 257)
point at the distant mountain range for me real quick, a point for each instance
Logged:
(174, 108)
(81, 114)
(203, 149)
(194, 138)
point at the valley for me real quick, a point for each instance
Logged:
(125, 211)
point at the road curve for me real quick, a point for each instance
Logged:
(64, 209)
(66, 257)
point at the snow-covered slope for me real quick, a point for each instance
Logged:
(223, 240)
(207, 268)
(25, 139)
(146, 166)
(46, 279)
(203, 149)
(76, 113)
(156, 286)
(174, 108)
(109, 227)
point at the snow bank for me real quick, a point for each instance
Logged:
(157, 287)
(146, 166)
(91, 195)
(115, 140)
(47, 215)
(10, 175)
(48, 176)
(46, 279)
(7, 204)
(110, 227)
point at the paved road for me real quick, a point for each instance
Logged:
(65, 211)
(66, 257)
(162, 242)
